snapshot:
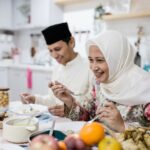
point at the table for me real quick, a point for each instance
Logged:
(42, 126)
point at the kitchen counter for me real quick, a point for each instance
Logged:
(10, 64)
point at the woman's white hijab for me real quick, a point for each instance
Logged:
(127, 84)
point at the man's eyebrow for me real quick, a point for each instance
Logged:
(98, 58)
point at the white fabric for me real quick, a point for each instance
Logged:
(75, 76)
(127, 84)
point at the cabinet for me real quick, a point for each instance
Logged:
(3, 77)
(17, 82)
(40, 82)
(17, 79)
(36, 13)
(5, 14)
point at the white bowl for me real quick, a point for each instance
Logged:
(18, 130)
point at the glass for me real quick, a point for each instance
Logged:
(4, 102)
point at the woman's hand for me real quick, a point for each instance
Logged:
(62, 93)
(27, 98)
(57, 110)
(110, 114)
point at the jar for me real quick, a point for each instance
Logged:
(4, 101)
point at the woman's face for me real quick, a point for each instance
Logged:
(98, 64)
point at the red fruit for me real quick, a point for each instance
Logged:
(44, 142)
(80, 145)
(70, 142)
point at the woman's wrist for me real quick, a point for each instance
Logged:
(70, 102)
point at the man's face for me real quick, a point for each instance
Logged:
(61, 51)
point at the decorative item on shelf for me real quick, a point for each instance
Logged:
(140, 33)
(29, 78)
(15, 55)
(80, 33)
(98, 22)
(24, 9)
(98, 12)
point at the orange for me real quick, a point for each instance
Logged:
(92, 133)
(109, 143)
(62, 145)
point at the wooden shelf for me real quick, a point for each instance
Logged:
(65, 2)
(126, 16)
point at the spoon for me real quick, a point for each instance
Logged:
(96, 117)
(52, 128)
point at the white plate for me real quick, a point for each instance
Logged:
(10, 147)
(28, 109)
(74, 126)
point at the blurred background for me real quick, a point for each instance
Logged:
(23, 49)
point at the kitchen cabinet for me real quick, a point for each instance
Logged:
(17, 82)
(36, 13)
(6, 14)
(17, 79)
(3, 77)
(40, 82)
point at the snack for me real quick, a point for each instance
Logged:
(4, 101)
(135, 139)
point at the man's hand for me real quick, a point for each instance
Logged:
(27, 98)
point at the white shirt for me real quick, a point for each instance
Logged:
(75, 75)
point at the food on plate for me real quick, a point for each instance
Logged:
(44, 142)
(3, 116)
(135, 139)
(92, 133)
(29, 110)
(109, 143)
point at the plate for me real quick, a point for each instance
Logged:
(28, 109)
(66, 127)
(10, 147)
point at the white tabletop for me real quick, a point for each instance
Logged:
(42, 126)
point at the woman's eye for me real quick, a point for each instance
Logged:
(90, 60)
(100, 60)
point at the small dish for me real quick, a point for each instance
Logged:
(17, 130)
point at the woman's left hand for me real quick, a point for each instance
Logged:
(111, 115)
(57, 110)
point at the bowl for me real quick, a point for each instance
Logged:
(56, 133)
(18, 130)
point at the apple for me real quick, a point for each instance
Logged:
(44, 142)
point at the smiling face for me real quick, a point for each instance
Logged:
(62, 51)
(98, 64)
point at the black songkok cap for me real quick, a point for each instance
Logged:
(56, 33)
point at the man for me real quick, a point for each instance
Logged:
(72, 70)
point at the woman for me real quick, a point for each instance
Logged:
(123, 87)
